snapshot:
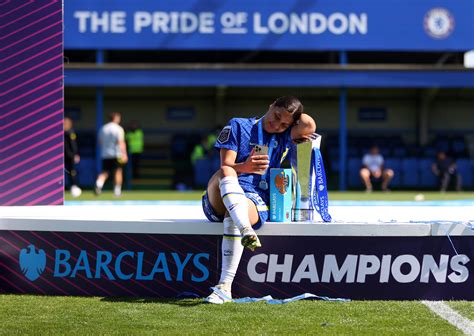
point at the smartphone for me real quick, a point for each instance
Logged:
(260, 150)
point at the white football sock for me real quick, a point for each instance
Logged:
(235, 202)
(99, 183)
(231, 251)
(118, 190)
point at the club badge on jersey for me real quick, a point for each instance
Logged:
(224, 135)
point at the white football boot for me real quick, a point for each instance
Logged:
(221, 294)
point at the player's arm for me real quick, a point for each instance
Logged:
(123, 147)
(255, 164)
(304, 128)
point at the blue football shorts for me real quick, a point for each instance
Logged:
(262, 209)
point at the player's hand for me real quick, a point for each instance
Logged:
(123, 160)
(77, 159)
(256, 164)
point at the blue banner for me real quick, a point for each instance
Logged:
(435, 25)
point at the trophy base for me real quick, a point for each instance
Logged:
(302, 215)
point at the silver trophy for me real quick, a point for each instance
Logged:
(301, 155)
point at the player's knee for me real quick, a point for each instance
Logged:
(227, 171)
(364, 172)
(389, 173)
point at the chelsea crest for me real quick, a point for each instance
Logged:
(438, 23)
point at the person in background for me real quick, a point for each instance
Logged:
(113, 153)
(445, 169)
(373, 170)
(71, 156)
(201, 150)
(212, 137)
(135, 141)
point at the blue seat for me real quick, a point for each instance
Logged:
(202, 172)
(429, 152)
(335, 165)
(215, 164)
(385, 151)
(427, 178)
(465, 169)
(353, 172)
(442, 144)
(86, 173)
(400, 152)
(352, 151)
(396, 165)
(458, 147)
(410, 172)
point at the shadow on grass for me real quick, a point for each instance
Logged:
(182, 302)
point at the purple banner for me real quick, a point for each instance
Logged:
(31, 105)
(111, 264)
(166, 265)
(400, 268)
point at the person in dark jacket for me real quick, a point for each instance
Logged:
(71, 156)
(445, 169)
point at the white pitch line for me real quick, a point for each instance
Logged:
(453, 317)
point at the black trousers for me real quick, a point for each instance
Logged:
(446, 178)
(71, 170)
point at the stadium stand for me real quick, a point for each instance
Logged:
(395, 94)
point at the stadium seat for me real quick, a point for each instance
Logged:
(466, 170)
(215, 164)
(86, 172)
(442, 144)
(334, 165)
(399, 152)
(427, 178)
(429, 152)
(385, 151)
(396, 165)
(458, 147)
(353, 172)
(202, 172)
(410, 172)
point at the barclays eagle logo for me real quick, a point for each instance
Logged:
(32, 264)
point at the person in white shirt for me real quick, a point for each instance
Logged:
(373, 169)
(113, 153)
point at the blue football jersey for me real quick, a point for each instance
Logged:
(241, 135)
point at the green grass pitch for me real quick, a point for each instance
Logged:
(37, 315)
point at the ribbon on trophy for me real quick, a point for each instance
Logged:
(310, 189)
(318, 186)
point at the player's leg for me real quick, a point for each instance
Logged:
(118, 180)
(225, 193)
(71, 170)
(446, 178)
(213, 194)
(231, 246)
(365, 176)
(100, 181)
(387, 177)
(231, 253)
